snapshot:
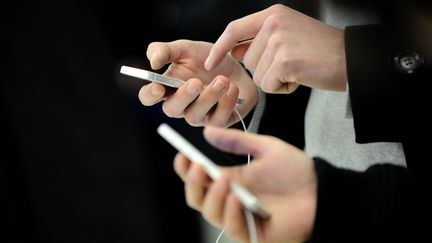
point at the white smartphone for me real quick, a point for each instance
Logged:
(181, 144)
(156, 77)
(151, 76)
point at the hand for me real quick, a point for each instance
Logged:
(281, 176)
(288, 49)
(210, 106)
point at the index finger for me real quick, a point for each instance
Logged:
(239, 30)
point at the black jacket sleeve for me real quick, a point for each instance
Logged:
(388, 103)
(384, 204)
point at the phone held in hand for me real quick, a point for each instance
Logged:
(151, 76)
(248, 200)
(156, 77)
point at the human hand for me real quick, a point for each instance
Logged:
(281, 176)
(199, 106)
(288, 49)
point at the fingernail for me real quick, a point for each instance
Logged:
(191, 89)
(208, 63)
(218, 85)
(153, 59)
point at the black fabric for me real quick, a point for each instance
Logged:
(389, 105)
(77, 164)
(385, 203)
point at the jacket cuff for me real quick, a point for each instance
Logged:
(373, 92)
(338, 216)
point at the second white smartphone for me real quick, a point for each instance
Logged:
(248, 200)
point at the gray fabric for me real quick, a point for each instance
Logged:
(258, 112)
(329, 134)
(329, 128)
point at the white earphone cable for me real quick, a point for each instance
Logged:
(249, 216)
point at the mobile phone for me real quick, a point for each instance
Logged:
(151, 76)
(248, 200)
(156, 77)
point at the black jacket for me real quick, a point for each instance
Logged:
(390, 102)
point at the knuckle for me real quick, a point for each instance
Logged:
(231, 27)
(285, 60)
(221, 117)
(276, 8)
(266, 87)
(257, 81)
(217, 122)
(275, 41)
(272, 23)
(193, 120)
(291, 66)
(248, 62)
(169, 111)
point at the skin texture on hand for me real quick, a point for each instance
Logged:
(207, 97)
(281, 176)
(288, 49)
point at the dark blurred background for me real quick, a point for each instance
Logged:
(80, 158)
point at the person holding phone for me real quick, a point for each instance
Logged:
(196, 105)
(383, 65)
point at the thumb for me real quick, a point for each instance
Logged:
(236, 141)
